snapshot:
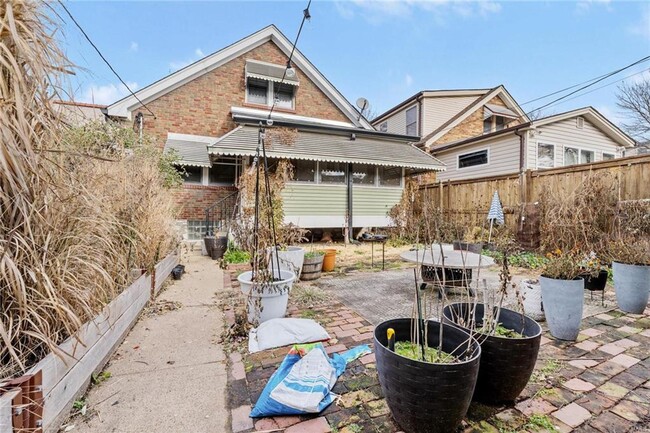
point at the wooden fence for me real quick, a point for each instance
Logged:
(468, 201)
(65, 375)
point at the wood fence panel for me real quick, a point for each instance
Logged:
(468, 201)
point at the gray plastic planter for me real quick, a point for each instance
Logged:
(563, 300)
(632, 284)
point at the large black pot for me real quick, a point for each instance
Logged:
(597, 283)
(425, 397)
(506, 363)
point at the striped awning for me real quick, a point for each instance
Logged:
(269, 72)
(192, 149)
(327, 146)
(497, 110)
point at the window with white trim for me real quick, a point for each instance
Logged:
(472, 159)
(571, 156)
(191, 174)
(545, 155)
(225, 170)
(412, 120)
(494, 123)
(389, 176)
(262, 92)
(331, 172)
(608, 156)
(586, 156)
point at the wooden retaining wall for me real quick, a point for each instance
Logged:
(66, 373)
(468, 201)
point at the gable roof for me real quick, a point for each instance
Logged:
(591, 114)
(471, 108)
(155, 90)
(594, 116)
(429, 94)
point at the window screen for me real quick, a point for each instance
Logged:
(586, 156)
(545, 155)
(283, 95)
(608, 156)
(332, 172)
(304, 171)
(570, 156)
(257, 91)
(390, 176)
(471, 159)
(363, 174)
(412, 121)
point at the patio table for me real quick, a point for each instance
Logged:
(458, 265)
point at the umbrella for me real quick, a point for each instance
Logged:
(495, 214)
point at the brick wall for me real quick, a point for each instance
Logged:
(193, 199)
(202, 107)
(472, 126)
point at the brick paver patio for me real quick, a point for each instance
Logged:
(601, 383)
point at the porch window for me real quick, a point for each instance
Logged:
(304, 171)
(225, 170)
(363, 174)
(571, 155)
(586, 156)
(191, 174)
(608, 156)
(472, 159)
(545, 155)
(412, 120)
(390, 176)
(332, 172)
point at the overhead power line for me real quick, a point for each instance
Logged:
(603, 77)
(104, 58)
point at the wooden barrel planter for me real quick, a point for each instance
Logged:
(506, 363)
(426, 397)
(312, 266)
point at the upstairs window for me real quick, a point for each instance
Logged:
(412, 121)
(257, 91)
(284, 95)
(494, 123)
(267, 83)
(383, 127)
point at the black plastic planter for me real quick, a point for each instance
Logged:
(506, 363)
(425, 397)
(597, 283)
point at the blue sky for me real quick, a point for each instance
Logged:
(382, 50)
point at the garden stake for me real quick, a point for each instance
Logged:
(419, 314)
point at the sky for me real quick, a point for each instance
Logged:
(384, 51)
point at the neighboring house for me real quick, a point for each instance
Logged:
(209, 113)
(639, 149)
(490, 135)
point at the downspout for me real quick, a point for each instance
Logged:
(350, 226)
(522, 149)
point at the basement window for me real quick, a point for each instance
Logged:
(473, 159)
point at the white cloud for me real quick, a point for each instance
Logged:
(377, 11)
(134, 47)
(642, 28)
(106, 94)
(584, 6)
(175, 65)
(408, 80)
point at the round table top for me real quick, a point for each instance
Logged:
(452, 258)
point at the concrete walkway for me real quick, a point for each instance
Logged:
(169, 375)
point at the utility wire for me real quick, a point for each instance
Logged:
(560, 91)
(305, 16)
(104, 58)
(591, 84)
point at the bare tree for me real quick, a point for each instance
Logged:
(634, 100)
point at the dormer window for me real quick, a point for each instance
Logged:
(496, 117)
(266, 82)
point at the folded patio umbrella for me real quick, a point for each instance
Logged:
(495, 214)
(302, 383)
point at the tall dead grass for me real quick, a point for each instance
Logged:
(73, 220)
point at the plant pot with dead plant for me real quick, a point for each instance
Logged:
(631, 269)
(474, 240)
(562, 294)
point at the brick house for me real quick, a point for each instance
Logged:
(347, 173)
(484, 132)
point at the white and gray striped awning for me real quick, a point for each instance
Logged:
(326, 146)
(498, 110)
(192, 149)
(269, 72)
